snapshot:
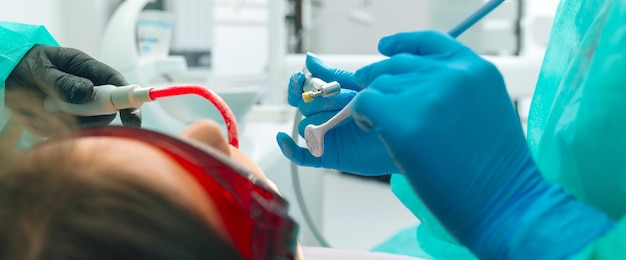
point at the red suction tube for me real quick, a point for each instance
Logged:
(216, 100)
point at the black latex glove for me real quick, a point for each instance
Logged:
(69, 74)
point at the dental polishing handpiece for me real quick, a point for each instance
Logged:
(315, 87)
(108, 100)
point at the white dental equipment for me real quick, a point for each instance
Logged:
(318, 87)
(314, 134)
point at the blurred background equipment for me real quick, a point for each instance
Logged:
(245, 50)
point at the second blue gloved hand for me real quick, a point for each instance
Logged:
(347, 147)
(449, 124)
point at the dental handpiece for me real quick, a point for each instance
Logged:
(108, 100)
(316, 87)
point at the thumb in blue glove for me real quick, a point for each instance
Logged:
(449, 124)
(347, 147)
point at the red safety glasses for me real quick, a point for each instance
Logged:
(255, 215)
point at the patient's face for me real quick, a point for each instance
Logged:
(158, 170)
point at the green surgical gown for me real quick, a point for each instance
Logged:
(16, 39)
(577, 121)
(576, 126)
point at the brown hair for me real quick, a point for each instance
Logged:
(55, 207)
(51, 209)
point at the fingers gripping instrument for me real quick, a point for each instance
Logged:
(315, 136)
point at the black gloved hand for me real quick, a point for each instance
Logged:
(66, 73)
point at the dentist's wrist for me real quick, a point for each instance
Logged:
(545, 223)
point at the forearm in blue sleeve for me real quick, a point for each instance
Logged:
(612, 245)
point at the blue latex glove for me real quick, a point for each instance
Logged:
(448, 122)
(346, 147)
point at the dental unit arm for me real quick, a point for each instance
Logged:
(109, 99)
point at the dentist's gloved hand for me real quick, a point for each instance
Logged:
(346, 147)
(69, 74)
(449, 124)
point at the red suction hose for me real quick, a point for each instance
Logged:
(218, 102)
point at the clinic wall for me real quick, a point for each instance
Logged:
(84, 22)
(331, 28)
(74, 23)
(45, 12)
